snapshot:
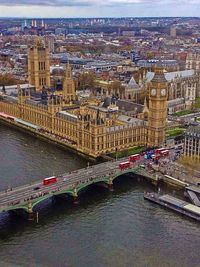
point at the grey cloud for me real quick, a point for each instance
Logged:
(59, 3)
(63, 3)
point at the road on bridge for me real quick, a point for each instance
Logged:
(28, 192)
(22, 195)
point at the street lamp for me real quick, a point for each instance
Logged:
(116, 154)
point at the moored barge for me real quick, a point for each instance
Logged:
(175, 204)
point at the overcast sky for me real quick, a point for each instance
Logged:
(98, 8)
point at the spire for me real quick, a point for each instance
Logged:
(143, 74)
(140, 79)
(38, 41)
(132, 83)
(68, 72)
(69, 93)
(145, 109)
(145, 102)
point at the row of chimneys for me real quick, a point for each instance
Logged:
(34, 24)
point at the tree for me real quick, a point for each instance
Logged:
(191, 164)
(8, 79)
(116, 88)
(87, 80)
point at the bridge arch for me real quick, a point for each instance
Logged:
(51, 195)
(104, 182)
(73, 190)
(22, 208)
(121, 174)
(40, 200)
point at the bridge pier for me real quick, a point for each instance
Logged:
(75, 196)
(30, 212)
(110, 185)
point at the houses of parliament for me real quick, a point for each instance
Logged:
(94, 126)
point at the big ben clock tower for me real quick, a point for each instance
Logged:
(157, 109)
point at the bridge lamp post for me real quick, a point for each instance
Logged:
(37, 216)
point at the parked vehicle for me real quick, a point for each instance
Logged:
(159, 150)
(147, 156)
(36, 188)
(155, 157)
(164, 153)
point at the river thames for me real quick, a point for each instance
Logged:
(106, 228)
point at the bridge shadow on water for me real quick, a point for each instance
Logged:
(61, 207)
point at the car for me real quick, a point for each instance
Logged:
(36, 188)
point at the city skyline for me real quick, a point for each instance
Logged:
(95, 8)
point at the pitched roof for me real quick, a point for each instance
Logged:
(132, 84)
(159, 75)
(169, 76)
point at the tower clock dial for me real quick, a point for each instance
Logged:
(153, 92)
(163, 92)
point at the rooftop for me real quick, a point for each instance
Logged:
(170, 76)
(132, 84)
(193, 131)
(130, 106)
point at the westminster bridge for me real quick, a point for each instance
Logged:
(27, 197)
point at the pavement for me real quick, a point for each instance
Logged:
(165, 166)
(169, 166)
(23, 194)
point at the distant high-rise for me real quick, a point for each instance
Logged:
(38, 65)
(173, 31)
(24, 25)
(135, 57)
(50, 42)
(42, 24)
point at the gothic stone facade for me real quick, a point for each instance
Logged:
(91, 128)
(192, 142)
(90, 132)
(39, 66)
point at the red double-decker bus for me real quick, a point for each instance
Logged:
(159, 150)
(133, 158)
(49, 180)
(156, 156)
(164, 153)
(124, 165)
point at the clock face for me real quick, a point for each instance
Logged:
(153, 92)
(163, 92)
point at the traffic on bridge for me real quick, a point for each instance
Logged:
(28, 196)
